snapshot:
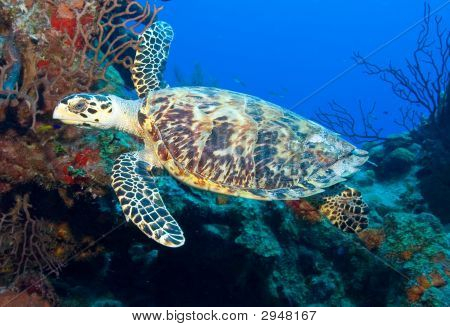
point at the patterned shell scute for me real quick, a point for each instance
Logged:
(243, 142)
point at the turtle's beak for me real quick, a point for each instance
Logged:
(67, 117)
(58, 112)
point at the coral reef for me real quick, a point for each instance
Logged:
(358, 128)
(395, 157)
(49, 49)
(31, 244)
(259, 239)
(419, 245)
(258, 252)
(435, 161)
(22, 299)
(422, 83)
(61, 158)
(70, 47)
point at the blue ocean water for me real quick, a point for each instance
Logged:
(286, 51)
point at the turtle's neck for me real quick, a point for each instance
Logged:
(126, 115)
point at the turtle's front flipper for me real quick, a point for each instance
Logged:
(151, 58)
(346, 210)
(141, 202)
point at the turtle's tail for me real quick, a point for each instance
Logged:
(337, 171)
(352, 162)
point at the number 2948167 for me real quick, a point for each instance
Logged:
(288, 315)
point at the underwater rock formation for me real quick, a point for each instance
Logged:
(399, 162)
(258, 237)
(273, 256)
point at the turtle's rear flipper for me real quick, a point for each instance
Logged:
(141, 202)
(151, 58)
(346, 210)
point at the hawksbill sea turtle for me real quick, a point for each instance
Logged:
(216, 140)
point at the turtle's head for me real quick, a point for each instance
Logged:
(99, 111)
(87, 110)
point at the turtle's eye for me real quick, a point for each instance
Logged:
(79, 106)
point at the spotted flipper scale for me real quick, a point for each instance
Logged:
(346, 210)
(151, 58)
(141, 201)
